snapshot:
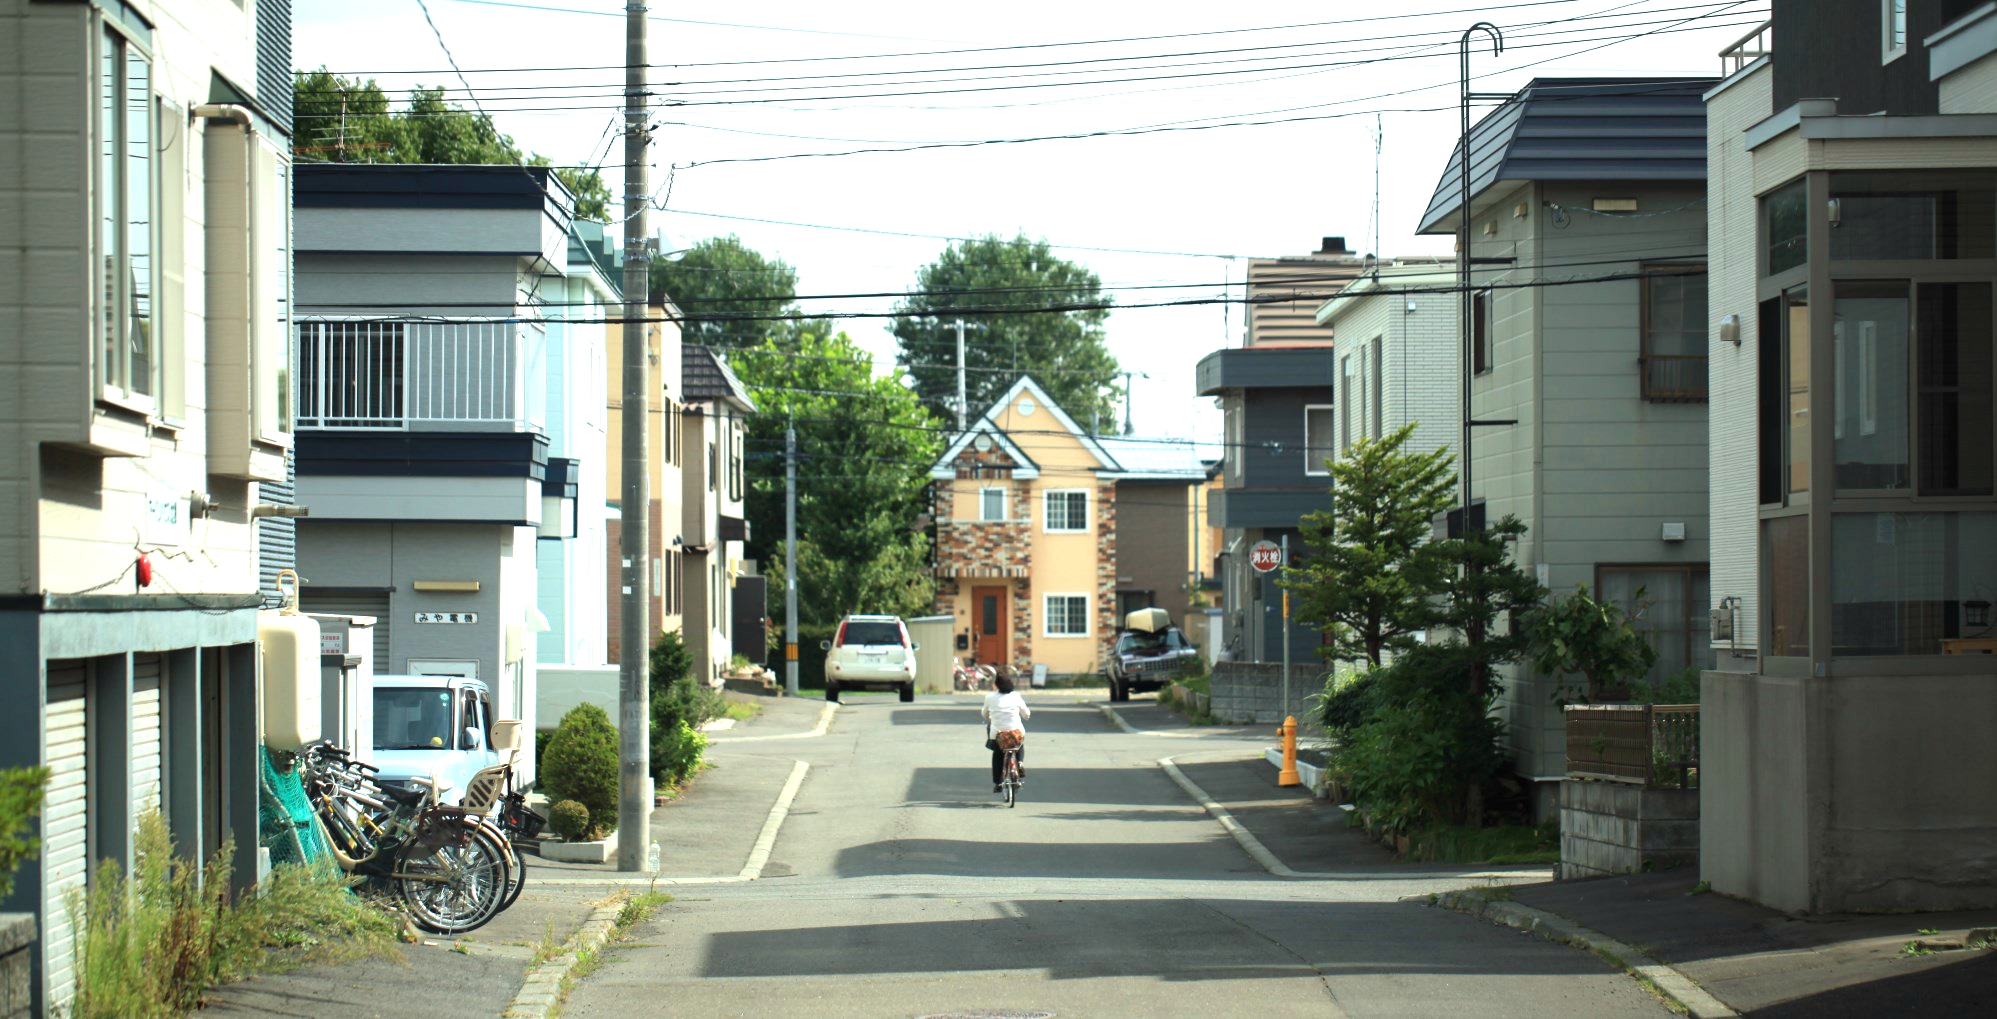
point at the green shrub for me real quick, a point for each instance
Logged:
(1345, 707)
(679, 700)
(811, 657)
(1681, 687)
(676, 752)
(21, 792)
(569, 819)
(582, 765)
(1426, 743)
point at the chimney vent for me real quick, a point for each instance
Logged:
(1334, 246)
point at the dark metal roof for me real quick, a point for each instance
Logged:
(705, 376)
(428, 186)
(1595, 129)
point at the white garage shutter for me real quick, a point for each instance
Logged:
(147, 771)
(375, 605)
(65, 835)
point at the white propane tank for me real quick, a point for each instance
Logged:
(291, 682)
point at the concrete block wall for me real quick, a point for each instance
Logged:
(1622, 828)
(1245, 692)
(17, 965)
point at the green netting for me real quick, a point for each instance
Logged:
(284, 816)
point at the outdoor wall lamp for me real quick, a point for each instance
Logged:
(1730, 330)
(1976, 613)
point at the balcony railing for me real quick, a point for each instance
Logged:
(1747, 49)
(399, 376)
(1644, 744)
(1669, 378)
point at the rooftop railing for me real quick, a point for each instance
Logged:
(1747, 49)
(381, 375)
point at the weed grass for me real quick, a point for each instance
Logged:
(742, 711)
(1492, 846)
(151, 943)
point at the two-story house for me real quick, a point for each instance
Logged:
(1046, 533)
(144, 290)
(1846, 725)
(666, 488)
(1587, 235)
(430, 299)
(1397, 364)
(714, 483)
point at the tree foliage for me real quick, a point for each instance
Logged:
(1582, 634)
(1486, 587)
(990, 282)
(1369, 580)
(1423, 739)
(581, 765)
(351, 120)
(21, 791)
(864, 445)
(731, 295)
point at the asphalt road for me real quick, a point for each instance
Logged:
(900, 886)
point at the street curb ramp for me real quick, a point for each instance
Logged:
(1668, 982)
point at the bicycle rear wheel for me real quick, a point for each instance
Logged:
(455, 889)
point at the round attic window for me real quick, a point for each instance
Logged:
(982, 443)
(1026, 406)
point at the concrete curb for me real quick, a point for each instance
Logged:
(540, 994)
(1126, 727)
(1249, 843)
(1669, 982)
(824, 723)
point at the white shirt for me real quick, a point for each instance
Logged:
(1006, 711)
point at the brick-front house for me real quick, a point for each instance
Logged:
(1027, 506)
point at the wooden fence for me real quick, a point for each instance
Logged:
(1644, 744)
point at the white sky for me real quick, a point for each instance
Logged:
(1258, 190)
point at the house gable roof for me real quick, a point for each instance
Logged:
(1580, 129)
(704, 376)
(988, 424)
(962, 451)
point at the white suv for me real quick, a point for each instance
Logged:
(870, 653)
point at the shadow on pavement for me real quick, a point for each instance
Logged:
(1186, 941)
(1068, 718)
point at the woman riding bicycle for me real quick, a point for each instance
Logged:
(1005, 711)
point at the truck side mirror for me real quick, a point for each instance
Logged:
(474, 740)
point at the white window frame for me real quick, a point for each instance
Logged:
(1314, 464)
(112, 306)
(1047, 511)
(1890, 47)
(1047, 617)
(984, 507)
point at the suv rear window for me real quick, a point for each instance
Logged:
(870, 633)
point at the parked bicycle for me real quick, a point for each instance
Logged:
(972, 676)
(451, 867)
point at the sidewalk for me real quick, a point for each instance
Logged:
(708, 833)
(1761, 962)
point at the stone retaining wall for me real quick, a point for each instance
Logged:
(1251, 692)
(17, 962)
(1625, 828)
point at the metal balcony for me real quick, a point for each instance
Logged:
(378, 375)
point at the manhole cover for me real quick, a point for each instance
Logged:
(989, 1014)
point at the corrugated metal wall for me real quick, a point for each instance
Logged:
(274, 82)
(277, 537)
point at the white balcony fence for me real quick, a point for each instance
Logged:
(385, 375)
(1748, 48)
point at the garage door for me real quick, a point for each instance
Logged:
(147, 770)
(375, 605)
(65, 835)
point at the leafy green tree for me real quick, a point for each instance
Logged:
(1485, 587)
(1372, 572)
(1595, 638)
(581, 764)
(732, 295)
(864, 446)
(1423, 740)
(21, 792)
(351, 120)
(1001, 287)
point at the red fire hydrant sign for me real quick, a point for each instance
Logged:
(1265, 556)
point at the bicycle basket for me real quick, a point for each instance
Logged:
(438, 827)
(519, 819)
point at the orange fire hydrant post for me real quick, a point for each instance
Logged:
(1288, 776)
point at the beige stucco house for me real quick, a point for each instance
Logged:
(1029, 508)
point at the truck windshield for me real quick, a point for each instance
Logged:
(1137, 643)
(413, 718)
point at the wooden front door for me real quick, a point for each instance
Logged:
(991, 622)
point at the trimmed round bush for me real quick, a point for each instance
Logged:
(569, 819)
(582, 765)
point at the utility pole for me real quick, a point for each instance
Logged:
(1469, 299)
(963, 406)
(1127, 429)
(790, 557)
(634, 694)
